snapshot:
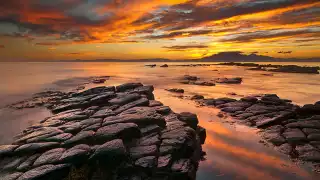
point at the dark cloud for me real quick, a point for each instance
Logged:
(248, 37)
(185, 47)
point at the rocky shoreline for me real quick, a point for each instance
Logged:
(292, 129)
(105, 133)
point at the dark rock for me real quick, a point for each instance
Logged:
(141, 118)
(294, 136)
(311, 131)
(249, 99)
(183, 168)
(95, 90)
(7, 149)
(71, 127)
(313, 137)
(124, 131)
(124, 99)
(13, 176)
(91, 121)
(153, 103)
(277, 119)
(85, 137)
(102, 99)
(27, 164)
(197, 97)
(105, 112)
(99, 80)
(313, 156)
(163, 110)
(148, 140)
(202, 134)
(150, 65)
(127, 86)
(175, 90)
(310, 109)
(139, 102)
(274, 138)
(285, 148)
(236, 80)
(315, 124)
(190, 78)
(202, 83)
(165, 65)
(93, 127)
(189, 118)
(142, 151)
(164, 162)
(11, 163)
(150, 129)
(50, 157)
(110, 152)
(146, 162)
(49, 172)
(35, 147)
(76, 154)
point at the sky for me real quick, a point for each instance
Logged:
(173, 29)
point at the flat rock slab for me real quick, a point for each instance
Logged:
(109, 133)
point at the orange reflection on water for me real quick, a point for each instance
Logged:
(250, 162)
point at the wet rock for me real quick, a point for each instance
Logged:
(175, 90)
(197, 97)
(27, 164)
(294, 136)
(124, 131)
(219, 101)
(146, 162)
(85, 137)
(202, 134)
(102, 99)
(127, 86)
(91, 121)
(313, 137)
(142, 151)
(11, 163)
(150, 65)
(277, 119)
(274, 138)
(49, 157)
(202, 83)
(95, 90)
(285, 149)
(110, 152)
(310, 109)
(163, 110)
(124, 99)
(7, 149)
(76, 154)
(105, 112)
(165, 65)
(99, 80)
(148, 140)
(71, 127)
(35, 147)
(190, 78)
(311, 131)
(313, 156)
(93, 127)
(189, 118)
(46, 172)
(315, 124)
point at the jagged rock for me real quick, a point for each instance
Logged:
(146, 162)
(164, 162)
(35, 147)
(110, 152)
(310, 109)
(124, 99)
(49, 157)
(274, 138)
(27, 164)
(102, 99)
(7, 149)
(285, 148)
(75, 154)
(11, 163)
(124, 131)
(163, 110)
(127, 86)
(142, 151)
(183, 168)
(148, 140)
(105, 112)
(189, 118)
(315, 124)
(294, 136)
(49, 172)
(311, 156)
(266, 122)
(95, 90)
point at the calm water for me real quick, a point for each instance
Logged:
(233, 151)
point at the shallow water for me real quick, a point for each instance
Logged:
(233, 151)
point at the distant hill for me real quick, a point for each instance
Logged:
(238, 56)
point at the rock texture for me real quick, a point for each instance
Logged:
(293, 129)
(106, 133)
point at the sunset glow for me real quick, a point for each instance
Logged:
(173, 29)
